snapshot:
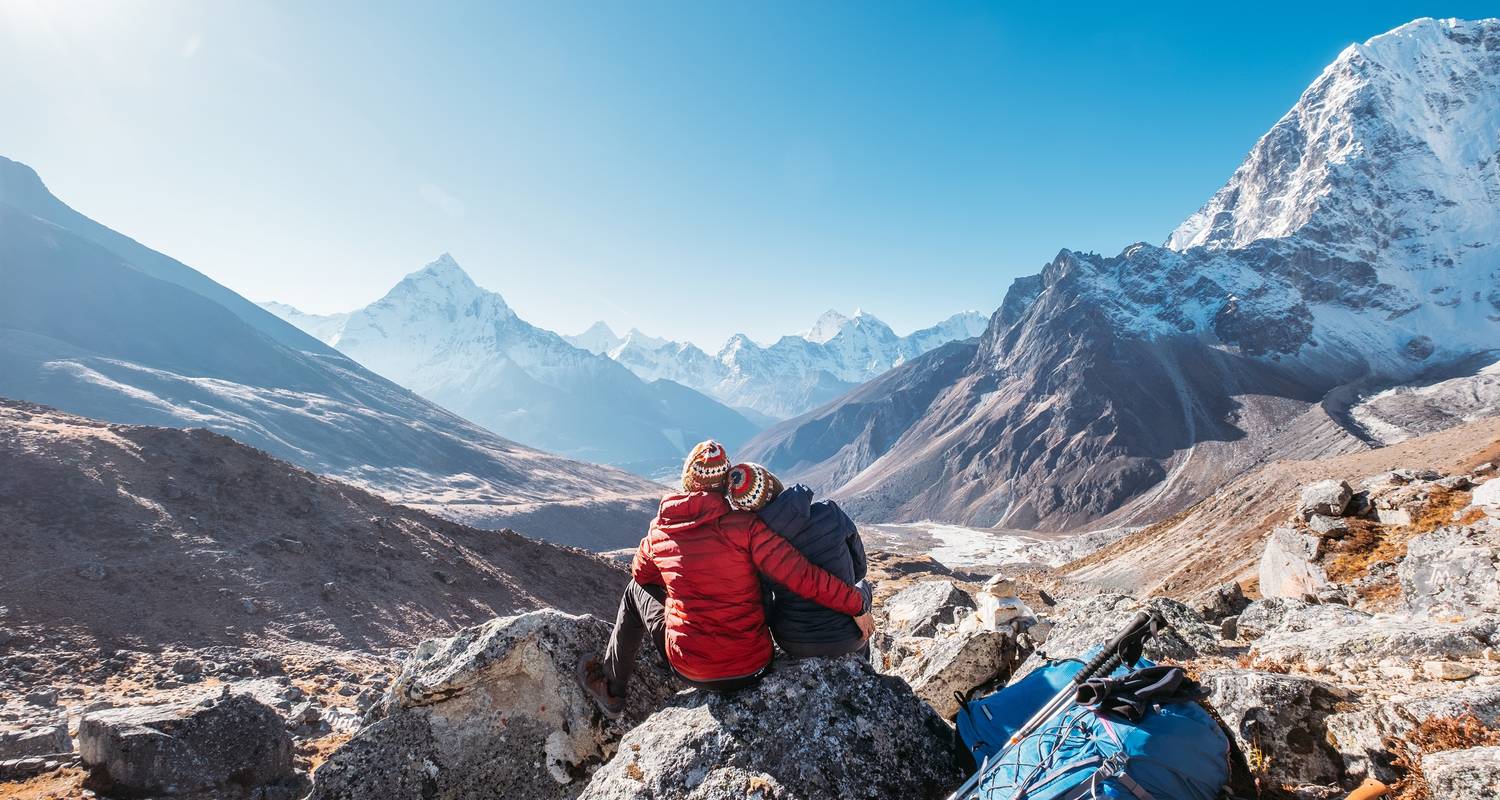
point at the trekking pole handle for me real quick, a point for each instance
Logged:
(1111, 650)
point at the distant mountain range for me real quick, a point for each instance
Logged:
(94, 323)
(439, 334)
(635, 401)
(1355, 248)
(793, 375)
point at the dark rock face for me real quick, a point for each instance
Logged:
(1221, 602)
(816, 728)
(1066, 415)
(181, 747)
(1279, 715)
(830, 445)
(496, 711)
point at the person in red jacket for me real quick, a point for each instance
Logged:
(697, 590)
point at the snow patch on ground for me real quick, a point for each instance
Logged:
(965, 547)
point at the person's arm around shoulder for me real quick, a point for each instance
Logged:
(643, 567)
(778, 560)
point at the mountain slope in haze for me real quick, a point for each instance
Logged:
(793, 375)
(84, 330)
(22, 188)
(1118, 390)
(155, 536)
(461, 346)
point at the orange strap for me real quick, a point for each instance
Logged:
(1369, 790)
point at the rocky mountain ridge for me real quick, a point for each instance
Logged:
(1119, 390)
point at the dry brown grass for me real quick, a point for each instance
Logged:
(1246, 662)
(1434, 735)
(56, 785)
(1368, 542)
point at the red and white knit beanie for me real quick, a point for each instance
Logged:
(705, 468)
(751, 487)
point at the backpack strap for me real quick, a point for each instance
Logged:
(1112, 768)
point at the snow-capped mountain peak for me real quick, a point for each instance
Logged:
(826, 327)
(442, 280)
(598, 339)
(324, 326)
(635, 337)
(1398, 129)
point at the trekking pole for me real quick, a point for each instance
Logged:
(1124, 647)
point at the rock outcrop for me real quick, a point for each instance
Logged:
(184, 747)
(1487, 499)
(1326, 498)
(959, 663)
(1453, 571)
(1281, 716)
(1376, 638)
(1472, 774)
(1288, 567)
(28, 731)
(1362, 733)
(494, 711)
(815, 728)
(918, 610)
(1092, 621)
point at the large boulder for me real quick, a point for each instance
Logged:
(496, 711)
(961, 663)
(1378, 638)
(1472, 774)
(1287, 614)
(185, 747)
(1092, 621)
(1327, 498)
(1452, 571)
(1280, 717)
(814, 728)
(1360, 733)
(1288, 565)
(919, 609)
(1220, 602)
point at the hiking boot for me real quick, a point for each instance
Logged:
(591, 677)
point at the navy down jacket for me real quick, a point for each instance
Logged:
(828, 538)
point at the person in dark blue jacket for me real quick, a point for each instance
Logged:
(827, 537)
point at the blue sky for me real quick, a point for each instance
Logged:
(693, 169)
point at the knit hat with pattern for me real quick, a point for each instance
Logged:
(751, 487)
(705, 468)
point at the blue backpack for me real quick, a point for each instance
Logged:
(1176, 752)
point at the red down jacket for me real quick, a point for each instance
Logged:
(709, 558)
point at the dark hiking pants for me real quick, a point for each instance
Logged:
(824, 649)
(642, 612)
